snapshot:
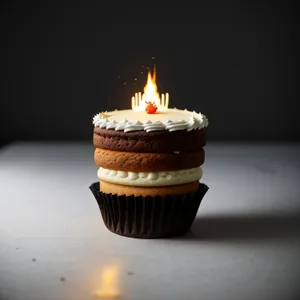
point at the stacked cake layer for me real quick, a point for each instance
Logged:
(147, 157)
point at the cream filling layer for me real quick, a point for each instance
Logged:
(150, 178)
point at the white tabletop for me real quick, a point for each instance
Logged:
(244, 244)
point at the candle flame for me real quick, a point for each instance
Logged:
(139, 101)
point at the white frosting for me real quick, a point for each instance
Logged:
(150, 178)
(171, 120)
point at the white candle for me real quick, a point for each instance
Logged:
(136, 99)
(140, 98)
(167, 101)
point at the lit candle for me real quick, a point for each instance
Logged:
(138, 102)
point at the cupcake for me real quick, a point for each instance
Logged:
(150, 162)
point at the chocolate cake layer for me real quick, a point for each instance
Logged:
(149, 142)
(147, 162)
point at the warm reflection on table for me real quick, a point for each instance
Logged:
(109, 284)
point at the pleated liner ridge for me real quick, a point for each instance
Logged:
(148, 217)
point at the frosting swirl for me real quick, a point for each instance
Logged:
(196, 121)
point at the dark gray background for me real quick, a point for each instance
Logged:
(233, 61)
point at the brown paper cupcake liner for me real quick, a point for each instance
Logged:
(148, 217)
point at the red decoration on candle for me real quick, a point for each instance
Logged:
(151, 108)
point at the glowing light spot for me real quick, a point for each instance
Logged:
(109, 288)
